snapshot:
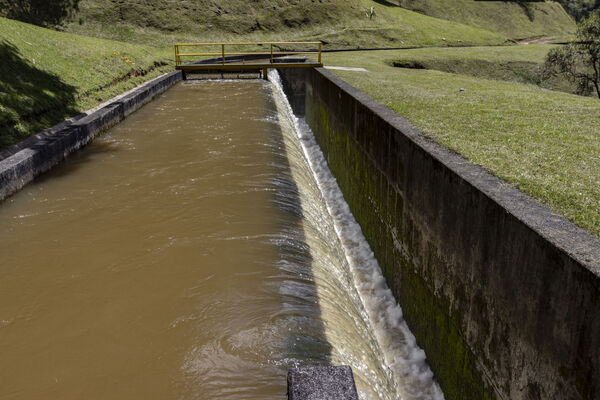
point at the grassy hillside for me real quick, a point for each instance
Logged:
(47, 76)
(544, 142)
(234, 16)
(512, 19)
(523, 64)
(341, 23)
(393, 26)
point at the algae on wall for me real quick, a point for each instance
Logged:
(377, 206)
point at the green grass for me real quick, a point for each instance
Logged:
(340, 23)
(48, 76)
(544, 142)
(523, 64)
(512, 19)
(397, 27)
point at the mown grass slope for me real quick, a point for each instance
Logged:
(47, 76)
(544, 142)
(232, 16)
(393, 26)
(340, 23)
(523, 64)
(516, 20)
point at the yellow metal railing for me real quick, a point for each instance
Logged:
(274, 50)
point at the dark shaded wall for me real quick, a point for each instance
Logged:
(503, 295)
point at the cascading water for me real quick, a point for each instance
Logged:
(355, 275)
(197, 250)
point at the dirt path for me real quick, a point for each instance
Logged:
(542, 40)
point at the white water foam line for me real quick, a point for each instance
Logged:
(413, 378)
(357, 69)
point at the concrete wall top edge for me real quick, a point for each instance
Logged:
(562, 233)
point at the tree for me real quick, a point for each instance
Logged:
(579, 61)
(38, 12)
(580, 9)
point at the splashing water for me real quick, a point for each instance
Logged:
(405, 363)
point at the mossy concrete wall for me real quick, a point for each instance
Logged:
(21, 163)
(502, 294)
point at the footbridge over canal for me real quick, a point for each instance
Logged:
(246, 56)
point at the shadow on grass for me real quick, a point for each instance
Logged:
(30, 99)
(387, 3)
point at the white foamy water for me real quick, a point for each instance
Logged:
(402, 371)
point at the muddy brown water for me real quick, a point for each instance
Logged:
(197, 250)
(140, 269)
(170, 260)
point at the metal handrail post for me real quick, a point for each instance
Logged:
(320, 48)
(223, 52)
(271, 53)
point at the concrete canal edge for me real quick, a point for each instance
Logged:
(321, 382)
(22, 162)
(502, 294)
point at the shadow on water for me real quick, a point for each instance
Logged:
(99, 149)
(308, 344)
(30, 99)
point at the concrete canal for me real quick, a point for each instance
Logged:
(197, 250)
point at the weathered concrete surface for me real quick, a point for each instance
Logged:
(21, 163)
(321, 383)
(502, 294)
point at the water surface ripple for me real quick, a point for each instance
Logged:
(186, 254)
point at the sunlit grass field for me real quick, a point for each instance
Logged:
(516, 20)
(523, 64)
(340, 24)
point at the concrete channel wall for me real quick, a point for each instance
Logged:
(502, 294)
(22, 162)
